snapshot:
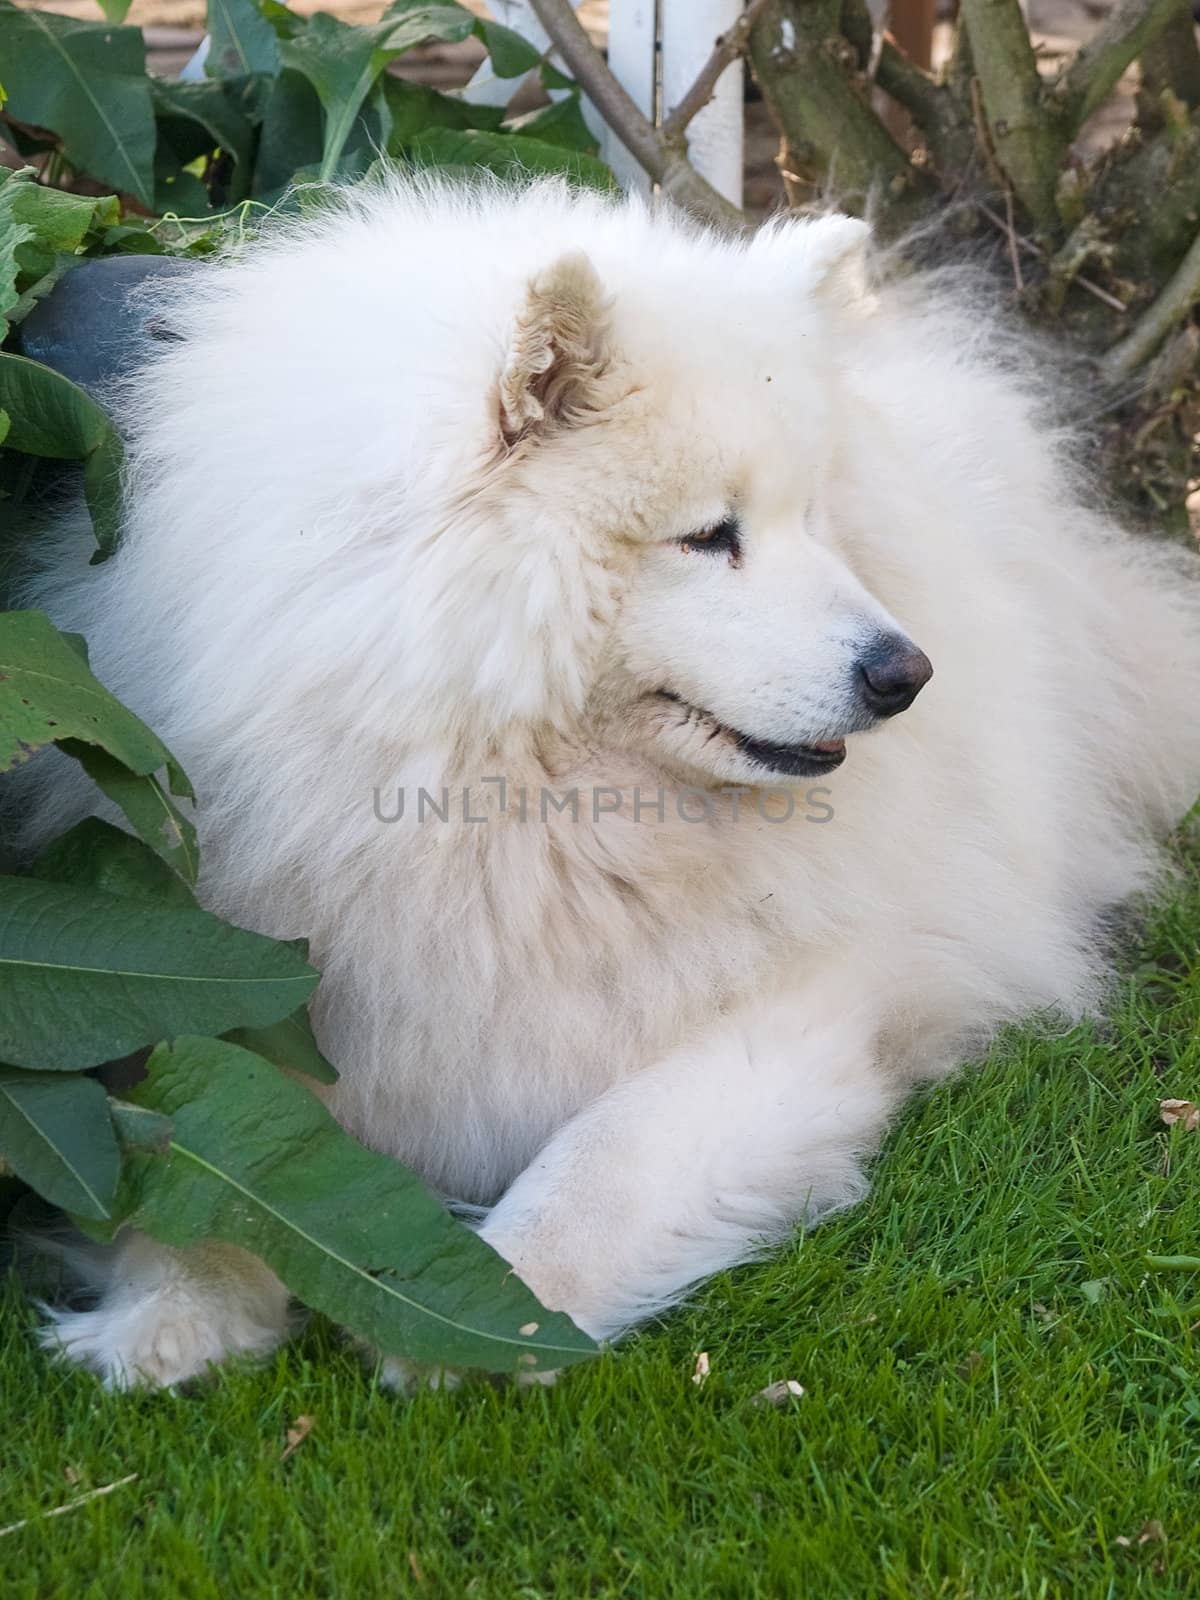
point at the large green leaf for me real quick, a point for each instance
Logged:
(240, 40)
(507, 154)
(95, 855)
(291, 136)
(561, 123)
(197, 118)
(48, 695)
(342, 62)
(51, 416)
(42, 230)
(511, 55)
(290, 1044)
(87, 83)
(56, 1134)
(256, 1160)
(86, 977)
(48, 692)
(14, 232)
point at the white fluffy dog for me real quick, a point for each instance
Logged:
(660, 529)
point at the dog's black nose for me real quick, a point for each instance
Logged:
(893, 672)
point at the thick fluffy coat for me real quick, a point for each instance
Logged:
(449, 486)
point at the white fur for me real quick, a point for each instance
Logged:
(406, 508)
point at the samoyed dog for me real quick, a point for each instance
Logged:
(677, 684)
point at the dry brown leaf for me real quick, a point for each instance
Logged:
(1185, 1111)
(701, 1369)
(1152, 1533)
(414, 1566)
(778, 1394)
(296, 1435)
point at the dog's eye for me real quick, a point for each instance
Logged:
(725, 536)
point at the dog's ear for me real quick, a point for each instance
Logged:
(557, 351)
(836, 257)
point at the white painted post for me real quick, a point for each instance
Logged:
(633, 61)
(690, 28)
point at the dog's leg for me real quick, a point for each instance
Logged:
(697, 1162)
(166, 1315)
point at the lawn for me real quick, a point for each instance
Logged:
(1001, 1393)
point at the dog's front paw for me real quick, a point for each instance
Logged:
(406, 1377)
(155, 1342)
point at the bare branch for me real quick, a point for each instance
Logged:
(1092, 73)
(909, 85)
(1027, 145)
(1181, 293)
(725, 51)
(799, 61)
(1172, 62)
(661, 160)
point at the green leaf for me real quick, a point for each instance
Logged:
(342, 62)
(48, 695)
(42, 231)
(115, 10)
(430, 19)
(240, 40)
(5, 424)
(146, 805)
(552, 78)
(138, 1128)
(13, 233)
(95, 855)
(560, 123)
(512, 56)
(86, 977)
(289, 1044)
(87, 83)
(56, 1134)
(51, 416)
(197, 118)
(292, 134)
(256, 1160)
(48, 692)
(506, 154)
(415, 107)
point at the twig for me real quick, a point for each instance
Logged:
(664, 164)
(71, 1505)
(1093, 71)
(726, 50)
(1180, 294)
(1014, 255)
(1032, 249)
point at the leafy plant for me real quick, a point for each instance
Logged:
(288, 98)
(110, 971)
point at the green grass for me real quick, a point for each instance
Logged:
(998, 1388)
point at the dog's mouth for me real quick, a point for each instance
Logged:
(794, 760)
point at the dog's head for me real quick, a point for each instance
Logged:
(666, 439)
